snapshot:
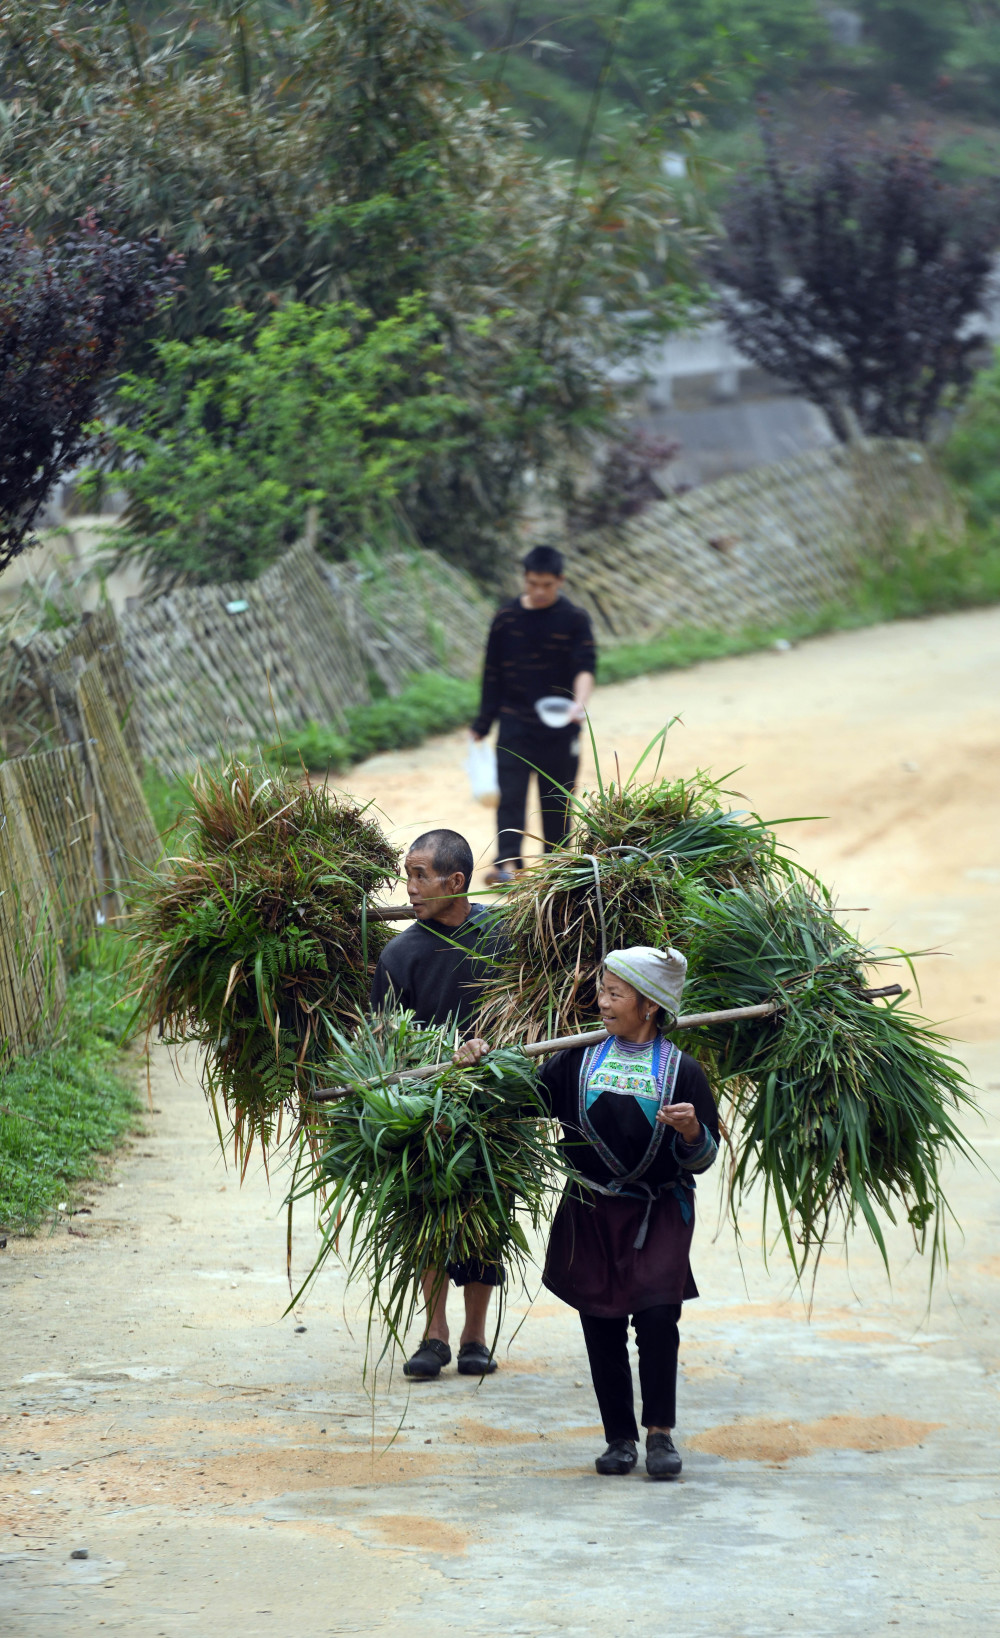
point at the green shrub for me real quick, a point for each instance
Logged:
(687, 645)
(231, 440)
(318, 748)
(971, 453)
(167, 798)
(932, 576)
(65, 1106)
(691, 645)
(430, 704)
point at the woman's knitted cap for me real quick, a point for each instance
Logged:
(656, 974)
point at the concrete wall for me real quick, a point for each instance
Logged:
(73, 551)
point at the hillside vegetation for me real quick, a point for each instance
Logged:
(544, 60)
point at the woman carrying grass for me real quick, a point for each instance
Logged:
(639, 1120)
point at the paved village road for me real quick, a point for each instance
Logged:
(225, 1469)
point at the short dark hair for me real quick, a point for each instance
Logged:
(449, 853)
(543, 560)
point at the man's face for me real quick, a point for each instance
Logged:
(429, 893)
(541, 590)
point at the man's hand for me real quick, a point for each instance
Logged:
(471, 1053)
(477, 739)
(682, 1118)
(583, 687)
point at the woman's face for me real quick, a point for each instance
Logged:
(622, 1009)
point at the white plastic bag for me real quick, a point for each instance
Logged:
(481, 767)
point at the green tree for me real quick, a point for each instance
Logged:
(545, 56)
(910, 39)
(972, 67)
(235, 436)
(342, 156)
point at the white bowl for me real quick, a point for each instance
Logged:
(555, 711)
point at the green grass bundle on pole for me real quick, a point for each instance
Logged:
(254, 943)
(412, 1178)
(839, 1107)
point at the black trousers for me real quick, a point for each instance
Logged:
(476, 1273)
(657, 1339)
(554, 753)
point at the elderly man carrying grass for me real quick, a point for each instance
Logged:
(437, 969)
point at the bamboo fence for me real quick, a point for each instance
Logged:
(130, 836)
(209, 670)
(32, 976)
(221, 667)
(55, 791)
(413, 612)
(758, 547)
(74, 830)
(97, 637)
(206, 670)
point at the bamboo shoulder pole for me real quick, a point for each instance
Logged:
(691, 1020)
(560, 1043)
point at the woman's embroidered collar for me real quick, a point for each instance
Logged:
(634, 1046)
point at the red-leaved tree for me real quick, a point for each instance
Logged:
(65, 308)
(855, 273)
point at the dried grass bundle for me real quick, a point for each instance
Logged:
(634, 846)
(254, 943)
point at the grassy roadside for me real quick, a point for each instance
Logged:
(65, 1106)
(935, 576)
(932, 577)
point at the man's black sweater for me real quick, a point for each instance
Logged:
(438, 972)
(531, 653)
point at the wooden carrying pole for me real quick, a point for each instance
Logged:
(560, 1043)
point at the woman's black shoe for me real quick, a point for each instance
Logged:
(620, 1457)
(662, 1460)
(475, 1359)
(426, 1363)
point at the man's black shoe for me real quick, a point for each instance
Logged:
(428, 1359)
(475, 1359)
(620, 1457)
(662, 1460)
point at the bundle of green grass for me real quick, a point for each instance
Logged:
(413, 1175)
(254, 944)
(839, 1107)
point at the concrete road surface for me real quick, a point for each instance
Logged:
(223, 1466)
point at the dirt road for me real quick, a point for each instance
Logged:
(841, 1475)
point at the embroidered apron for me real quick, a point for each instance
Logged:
(610, 1252)
(629, 1183)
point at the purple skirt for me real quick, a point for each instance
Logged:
(592, 1262)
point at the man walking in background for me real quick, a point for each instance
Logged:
(537, 679)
